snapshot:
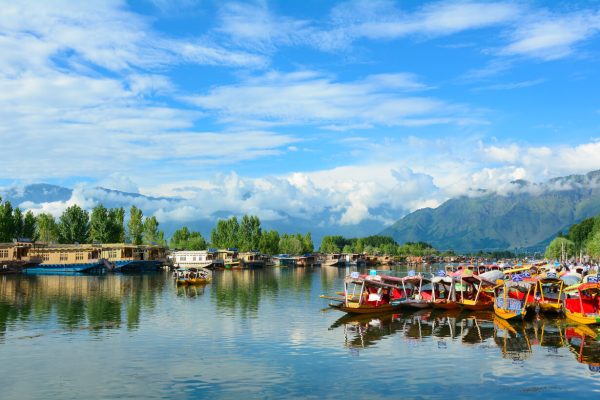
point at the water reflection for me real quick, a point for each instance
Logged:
(515, 341)
(76, 302)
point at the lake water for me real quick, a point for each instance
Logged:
(267, 334)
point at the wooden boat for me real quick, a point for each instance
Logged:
(476, 293)
(513, 297)
(416, 292)
(550, 293)
(444, 293)
(192, 276)
(584, 307)
(365, 294)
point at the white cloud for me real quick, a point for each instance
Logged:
(552, 37)
(309, 97)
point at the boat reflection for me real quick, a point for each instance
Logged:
(90, 302)
(516, 341)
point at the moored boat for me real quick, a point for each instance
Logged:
(192, 276)
(513, 297)
(444, 293)
(366, 294)
(584, 307)
(550, 293)
(476, 293)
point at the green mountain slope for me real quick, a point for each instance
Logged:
(527, 217)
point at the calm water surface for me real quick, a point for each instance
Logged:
(267, 334)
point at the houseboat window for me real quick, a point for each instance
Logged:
(194, 259)
(112, 254)
(63, 257)
(4, 253)
(78, 256)
(182, 258)
(46, 257)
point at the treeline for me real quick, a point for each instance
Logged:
(581, 238)
(245, 235)
(76, 225)
(375, 245)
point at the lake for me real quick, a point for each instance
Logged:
(267, 334)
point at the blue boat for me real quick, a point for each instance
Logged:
(95, 267)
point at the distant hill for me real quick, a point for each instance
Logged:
(527, 215)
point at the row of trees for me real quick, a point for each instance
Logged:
(245, 235)
(373, 245)
(581, 238)
(76, 225)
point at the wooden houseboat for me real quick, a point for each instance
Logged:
(284, 260)
(126, 257)
(16, 256)
(251, 259)
(61, 258)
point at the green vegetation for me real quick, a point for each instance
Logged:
(249, 236)
(183, 239)
(377, 244)
(581, 238)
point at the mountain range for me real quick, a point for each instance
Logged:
(523, 215)
(519, 215)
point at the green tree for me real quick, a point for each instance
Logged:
(183, 239)
(29, 226)
(307, 243)
(226, 233)
(558, 247)
(249, 233)
(17, 223)
(269, 242)
(135, 226)
(7, 222)
(151, 234)
(290, 244)
(593, 245)
(74, 225)
(347, 249)
(100, 225)
(46, 228)
(329, 244)
(116, 217)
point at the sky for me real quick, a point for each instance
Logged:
(301, 106)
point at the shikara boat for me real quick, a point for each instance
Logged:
(513, 298)
(444, 293)
(476, 293)
(550, 293)
(416, 292)
(192, 276)
(366, 294)
(584, 307)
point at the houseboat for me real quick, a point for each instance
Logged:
(126, 257)
(230, 258)
(61, 258)
(197, 259)
(16, 256)
(284, 260)
(251, 259)
(307, 260)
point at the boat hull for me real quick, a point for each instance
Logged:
(137, 265)
(471, 305)
(584, 319)
(446, 305)
(551, 307)
(89, 268)
(193, 281)
(355, 308)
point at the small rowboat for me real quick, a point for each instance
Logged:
(192, 276)
(584, 308)
(444, 293)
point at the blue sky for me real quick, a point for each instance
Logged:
(354, 105)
